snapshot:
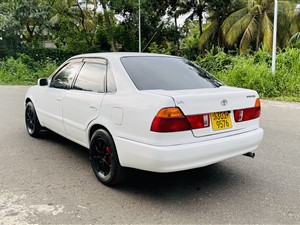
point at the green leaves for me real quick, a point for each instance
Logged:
(248, 35)
(253, 71)
(238, 28)
(23, 21)
(252, 26)
(81, 26)
(267, 31)
(208, 33)
(232, 19)
(24, 70)
(221, 17)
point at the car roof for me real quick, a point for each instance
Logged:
(115, 55)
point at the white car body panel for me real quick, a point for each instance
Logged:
(186, 156)
(128, 115)
(79, 109)
(48, 103)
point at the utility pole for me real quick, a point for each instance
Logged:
(140, 33)
(274, 36)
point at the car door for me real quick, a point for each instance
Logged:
(51, 98)
(82, 103)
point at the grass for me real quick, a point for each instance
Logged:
(24, 70)
(254, 71)
(286, 99)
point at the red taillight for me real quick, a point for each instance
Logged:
(199, 121)
(172, 119)
(257, 109)
(241, 115)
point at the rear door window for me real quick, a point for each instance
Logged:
(91, 78)
(167, 73)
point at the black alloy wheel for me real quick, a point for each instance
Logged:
(104, 158)
(33, 125)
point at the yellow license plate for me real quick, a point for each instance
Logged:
(220, 120)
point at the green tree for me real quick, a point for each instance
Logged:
(126, 34)
(24, 20)
(253, 24)
(189, 43)
(217, 12)
(295, 40)
(197, 8)
(73, 24)
(110, 21)
(175, 8)
(10, 39)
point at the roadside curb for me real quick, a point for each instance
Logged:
(291, 105)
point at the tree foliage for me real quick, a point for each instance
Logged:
(80, 26)
(218, 11)
(23, 21)
(253, 26)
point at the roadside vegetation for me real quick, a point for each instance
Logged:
(246, 71)
(230, 39)
(253, 71)
(24, 70)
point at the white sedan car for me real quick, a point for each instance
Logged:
(147, 111)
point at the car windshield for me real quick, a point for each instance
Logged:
(167, 73)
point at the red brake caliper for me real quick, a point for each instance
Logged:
(107, 149)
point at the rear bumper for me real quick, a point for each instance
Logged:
(186, 156)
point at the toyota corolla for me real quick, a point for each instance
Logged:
(146, 111)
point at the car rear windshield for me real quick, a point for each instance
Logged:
(167, 73)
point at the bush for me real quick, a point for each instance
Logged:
(254, 71)
(247, 71)
(25, 70)
(38, 54)
(215, 62)
(288, 75)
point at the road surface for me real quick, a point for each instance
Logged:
(50, 181)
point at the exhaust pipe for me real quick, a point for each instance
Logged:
(250, 154)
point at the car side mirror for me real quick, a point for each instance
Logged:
(43, 82)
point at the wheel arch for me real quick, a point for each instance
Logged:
(97, 127)
(27, 100)
(116, 173)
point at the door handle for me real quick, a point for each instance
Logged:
(93, 107)
(59, 99)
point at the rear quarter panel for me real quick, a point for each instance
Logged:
(138, 111)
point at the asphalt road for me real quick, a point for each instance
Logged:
(49, 181)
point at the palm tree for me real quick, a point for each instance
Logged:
(109, 23)
(254, 24)
(174, 9)
(218, 11)
(196, 8)
(295, 39)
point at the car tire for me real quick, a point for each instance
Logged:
(32, 122)
(104, 158)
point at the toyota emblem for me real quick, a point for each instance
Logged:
(224, 102)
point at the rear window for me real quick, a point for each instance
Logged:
(167, 73)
